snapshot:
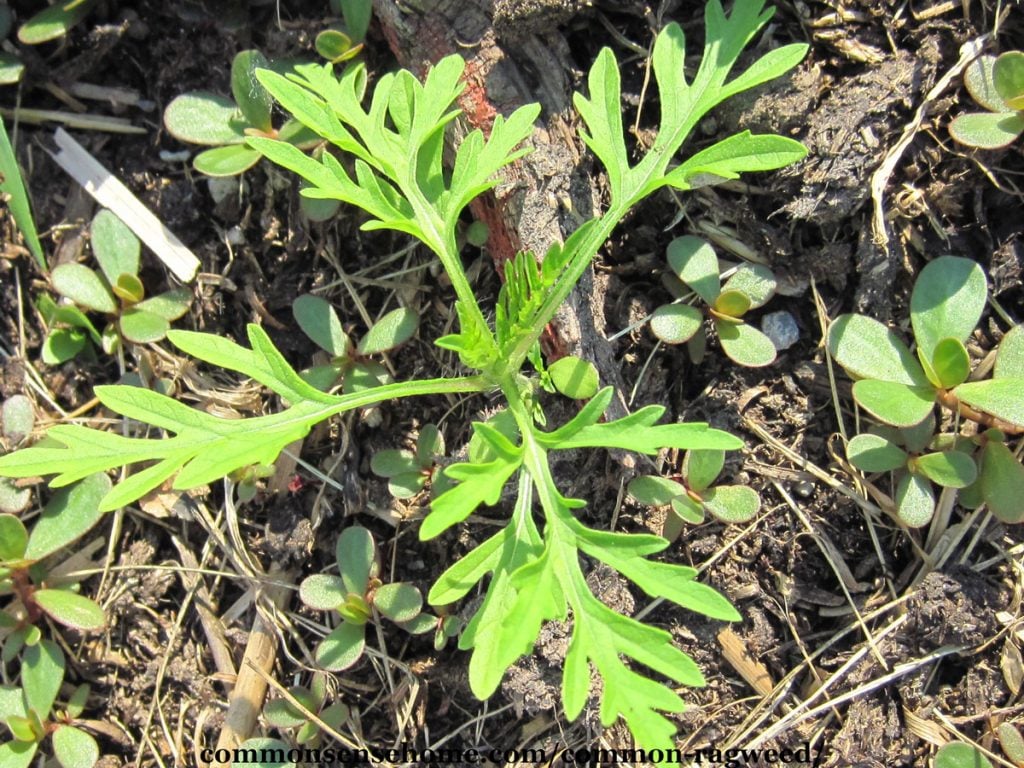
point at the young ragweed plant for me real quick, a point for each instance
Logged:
(533, 564)
(350, 364)
(115, 290)
(695, 264)
(358, 595)
(29, 714)
(997, 84)
(901, 389)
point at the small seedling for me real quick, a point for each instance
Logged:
(918, 457)
(358, 595)
(342, 42)
(283, 714)
(208, 119)
(693, 261)
(68, 516)
(55, 21)
(350, 363)
(901, 389)
(115, 290)
(409, 472)
(693, 493)
(29, 714)
(997, 84)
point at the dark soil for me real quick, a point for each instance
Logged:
(157, 693)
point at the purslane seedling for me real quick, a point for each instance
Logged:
(901, 389)
(695, 265)
(409, 472)
(997, 84)
(394, 170)
(285, 715)
(30, 715)
(358, 596)
(115, 291)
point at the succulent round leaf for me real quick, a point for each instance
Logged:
(1012, 742)
(950, 363)
(869, 350)
(69, 515)
(695, 263)
(70, 609)
(979, 77)
(755, 281)
(17, 754)
(12, 498)
(950, 469)
(429, 445)
(13, 539)
(322, 592)
(901, 405)
(701, 468)
(1002, 482)
(947, 301)
(74, 748)
(407, 484)
(654, 491)
(396, 327)
(252, 98)
(84, 287)
(42, 672)
(61, 345)
(1010, 357)
(987, 130)
(574, 378)
(392, 462)
(265, 750)
(398, 602)
(323, 377)
(915, 500)
(420, 624)
(1003, 398)
(318, 320)
(956, 754)
(281, 713)
(342, 648)
(356, 555)
(71, 315)
(365, 374)
(676, 323)
(745, 344)
(77, 701)
(53, 22)
(142, 327)
(129, 288)
(1008, 74)
(874, 453)
(318, 209)
(170, 305)
(732, 304)
(114, 245)
(229, 160)
(204, 118)
(732, 503)
(335, 46)
(687, 510)
(11, 68)
(335, 715)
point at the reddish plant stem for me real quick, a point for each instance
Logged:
(987, 420)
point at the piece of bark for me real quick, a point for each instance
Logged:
(543, 193)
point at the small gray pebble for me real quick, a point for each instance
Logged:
(781, 328)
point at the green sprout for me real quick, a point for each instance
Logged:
(115, 290)
(25, 576)
(208, 119)
(350, 363)
(283, 714)
(12, 190)
(341, 42)
(997, 84)
(30, 716)
(358, 596)
(695, 264)
(693, 493)
(409, 472)
(533, 569)
(901, 388)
